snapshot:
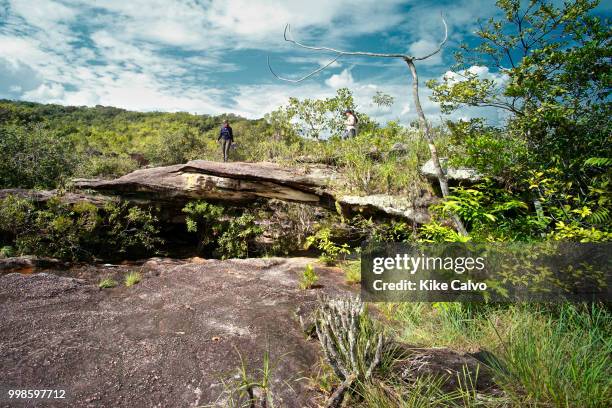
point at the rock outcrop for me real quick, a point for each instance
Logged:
(459, 174)
(214, 181)
(241, 183)
(42, 196)
(169, 341)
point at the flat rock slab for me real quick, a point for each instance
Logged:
(227, 182)
(241, 182)
(166, 342)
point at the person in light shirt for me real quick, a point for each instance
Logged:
(350, 123)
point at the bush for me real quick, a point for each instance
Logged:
(77, 232)
(223, 234)
(237, 236)
(352, 271)
(34, 157)
(330, 251)
(6, 252)
(107, 166)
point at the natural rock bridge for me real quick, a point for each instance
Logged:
(241, 183)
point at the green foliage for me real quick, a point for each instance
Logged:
(33, 156)
(553, 73)
(131, 279)
(250, 390)
(128, 229)
(206, 219)
(316, 118)
(541, 355)
(77, 232)
(561, 360)
(309, 278)
(382, 99)
(498, 214)
(107, 283)
(107, 166)
(237, 236)
(352, 271)
(385, 231)
(487, 149)
(6, 251)
(174, 147)
(330, 251)
(229, 236)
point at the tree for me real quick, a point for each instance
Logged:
(549, 68)
(410, 61)
(553, 79)
(313, 118)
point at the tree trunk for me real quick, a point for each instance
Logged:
(441, 175)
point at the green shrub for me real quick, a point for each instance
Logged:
(34, 156)
(237, 236)
(131, 279)
(6, 252)
(107, 166)
(225, 235)
(77, 232)
(352, 271)
(309, 278)
(206, 220)
(330, 251)
(107, 283)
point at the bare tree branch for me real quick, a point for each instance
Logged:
(409, 59)
(290, 39)
(439, 45)
(305, 77)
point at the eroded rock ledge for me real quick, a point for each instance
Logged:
(241, 183)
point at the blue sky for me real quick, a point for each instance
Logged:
(209, 56)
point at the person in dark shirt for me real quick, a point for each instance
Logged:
(227, 138)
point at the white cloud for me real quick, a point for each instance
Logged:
(52, 92)
(341, 80)
(482, 72)
(425, 47)
(153, 54)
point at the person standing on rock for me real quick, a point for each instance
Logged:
(226, 136)
(350, 123)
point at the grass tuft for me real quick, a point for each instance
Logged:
(107, 283)
(131, 279)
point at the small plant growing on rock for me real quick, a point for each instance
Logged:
(351, 345)
(6, 252)
(107, 283)
(245, 390)
(330, 251)
(309, 278)
(352, 271)
(132, 279)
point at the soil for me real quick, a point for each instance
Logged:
(169, 341)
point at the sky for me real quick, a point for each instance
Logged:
(209, 56)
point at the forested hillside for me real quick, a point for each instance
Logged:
(46, 144)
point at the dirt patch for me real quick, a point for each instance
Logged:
(167, 341)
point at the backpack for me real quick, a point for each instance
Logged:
(225, 133)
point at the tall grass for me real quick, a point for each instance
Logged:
(553, 356)
(563, 360)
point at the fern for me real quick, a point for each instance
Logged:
(598, 162)
(600, 216)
